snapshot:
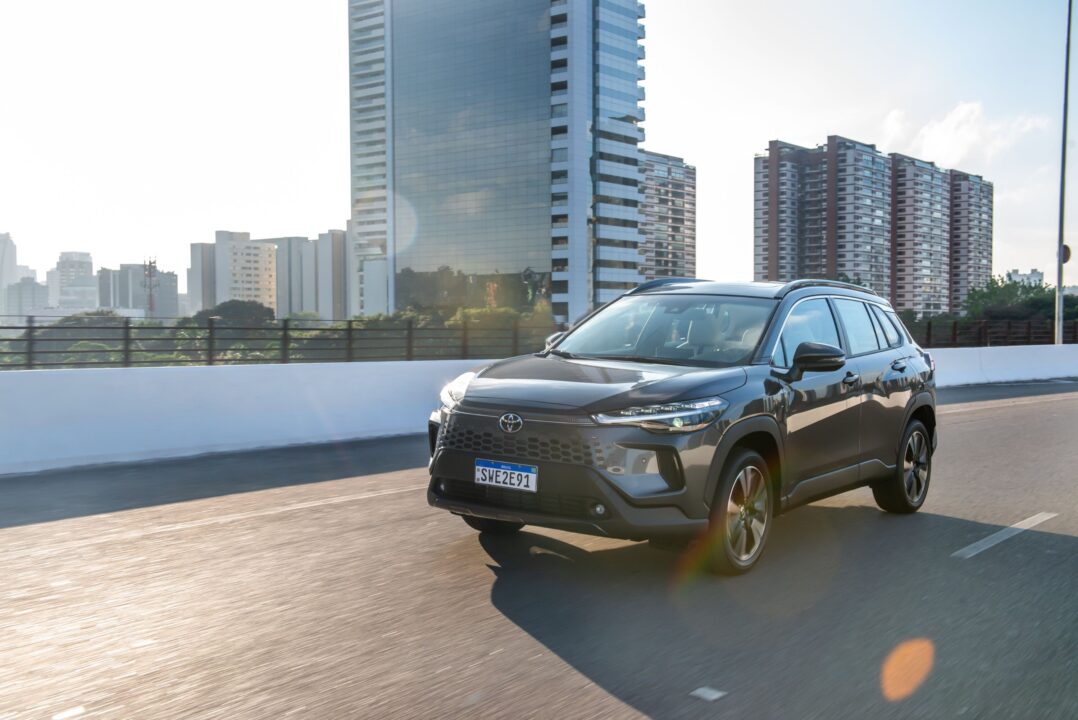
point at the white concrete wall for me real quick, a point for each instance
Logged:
(973, 366)
(63, 418)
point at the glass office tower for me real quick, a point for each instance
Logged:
(494, 150)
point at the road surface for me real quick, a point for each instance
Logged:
(316, 583)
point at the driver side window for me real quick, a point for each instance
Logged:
(809, 321)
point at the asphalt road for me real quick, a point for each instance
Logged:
(316, 583)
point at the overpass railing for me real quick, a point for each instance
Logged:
(78, 342)
(75, 342)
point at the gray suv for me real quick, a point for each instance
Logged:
(688, 409)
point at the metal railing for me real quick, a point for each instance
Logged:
(120, 342)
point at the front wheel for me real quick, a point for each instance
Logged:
(490, 526)
(906, 489)
(741, 514)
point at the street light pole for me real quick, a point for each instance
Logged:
(1061, 248)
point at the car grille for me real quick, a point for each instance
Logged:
(569, 506)
(524, 446)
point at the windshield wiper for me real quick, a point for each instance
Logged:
(642, 359)
(561, 353)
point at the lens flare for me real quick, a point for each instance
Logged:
(906, 668)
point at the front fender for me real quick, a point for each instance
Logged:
(736, 432)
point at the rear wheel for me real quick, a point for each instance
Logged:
(492, 527)
(741, 514)
(906, 489)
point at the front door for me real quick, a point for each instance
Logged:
(822, 412)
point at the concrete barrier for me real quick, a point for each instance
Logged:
(973, 366)
(64, 418)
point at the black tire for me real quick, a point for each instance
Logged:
(740, 522)
(905, 491)
(492, 527)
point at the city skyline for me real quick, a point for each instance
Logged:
(982, 115)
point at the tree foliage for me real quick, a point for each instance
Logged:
(1003, 300)
(238, 312)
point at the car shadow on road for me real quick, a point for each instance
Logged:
(62, 494)
(840, 592)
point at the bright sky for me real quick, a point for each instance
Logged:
(131, 128)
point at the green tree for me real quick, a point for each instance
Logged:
(1003, 300)
(237, 312)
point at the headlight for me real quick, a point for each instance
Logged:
(668, 417)
(453, 393)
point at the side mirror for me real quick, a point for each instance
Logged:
(815, 357)
(552, 339)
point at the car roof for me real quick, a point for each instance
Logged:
(777, 290)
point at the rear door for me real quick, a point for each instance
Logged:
(876, 350)
(821, 407)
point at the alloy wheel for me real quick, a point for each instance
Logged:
(915, 467)
(746, 514)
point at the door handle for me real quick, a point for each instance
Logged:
(898, 365)
(851, 378)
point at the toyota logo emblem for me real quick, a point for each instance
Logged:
(510, 423)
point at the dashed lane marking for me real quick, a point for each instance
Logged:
(708, 694)
(997, 537)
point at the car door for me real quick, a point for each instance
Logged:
(822, 442)
(884, 388)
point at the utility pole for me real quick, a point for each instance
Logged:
(149, 281)
(1062, 252)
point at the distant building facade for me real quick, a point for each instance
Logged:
(482, 181)
(1033, 277)
(669, 217)
(297, 275)
(9, 274)
(129, 288)
(25, 297)
(71, 284)
(972, 199)
(233, 267)
(915, 233)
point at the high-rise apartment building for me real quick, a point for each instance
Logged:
(71, 284)
(1034, 277)
(669, 217)
(297, 275)
(971, 235)
(8, 268)
(920, 236)
(823, 212)
(488, 181)
(234, 267)
(913, 232)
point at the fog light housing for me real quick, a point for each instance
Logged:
(440, 486)
(598, 510)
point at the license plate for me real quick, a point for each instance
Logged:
(507, 475)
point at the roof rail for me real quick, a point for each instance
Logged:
(659, 282)
(798, 284)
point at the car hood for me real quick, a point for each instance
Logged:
(589, 386)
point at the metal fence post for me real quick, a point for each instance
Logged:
(127, 342)
(516, 336)
(464, 339)
(1029, 332)
(984, 333)
(286, 342)
(954, 333)
(409, 340)
(30, 341)
(928, 333)
(210, 340)
(1008, 340)
(349, 354)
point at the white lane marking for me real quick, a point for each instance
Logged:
(234, 517)
(996, 404)
(69, 713)
(997, 537)
(709, 694)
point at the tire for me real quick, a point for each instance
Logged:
(906, 489)
(492, 527)
(741, 514)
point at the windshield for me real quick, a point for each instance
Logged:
(705, 330)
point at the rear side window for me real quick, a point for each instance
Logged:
(890, 334)
(902, 329)
(810, 321)
(859, 326)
